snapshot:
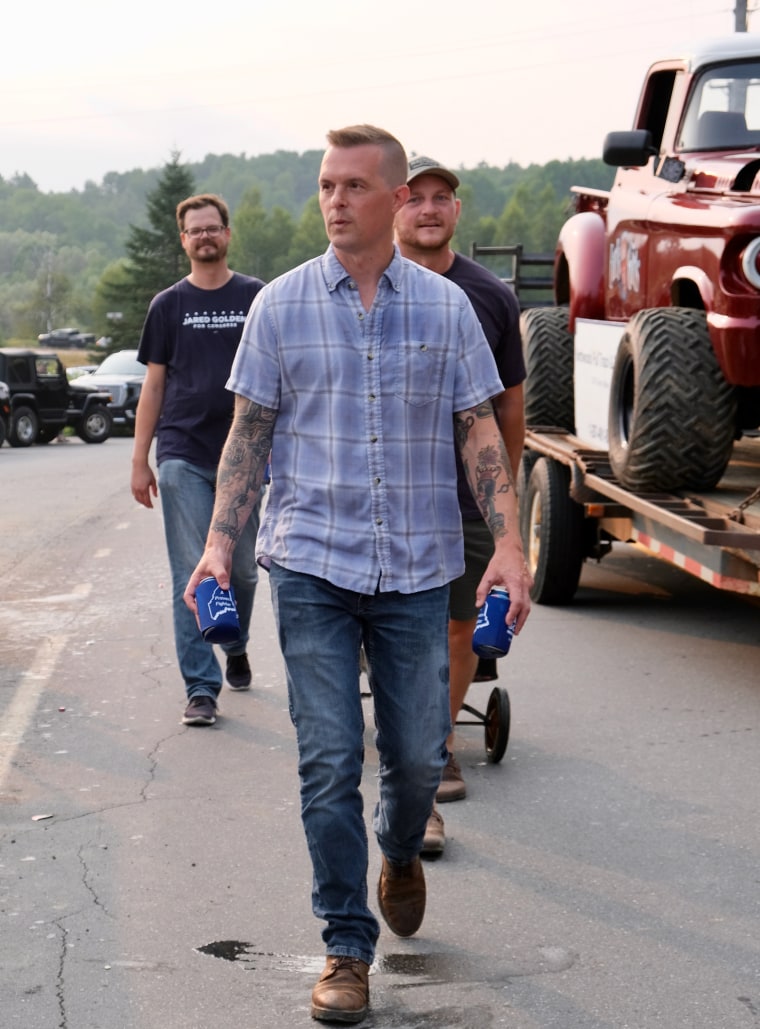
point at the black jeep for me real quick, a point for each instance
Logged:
(43, 404)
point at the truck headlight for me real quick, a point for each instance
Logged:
(751, 263)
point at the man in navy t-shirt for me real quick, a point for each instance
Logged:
(189, 341)
(424, 227)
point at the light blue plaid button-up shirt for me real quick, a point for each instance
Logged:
(364, 490)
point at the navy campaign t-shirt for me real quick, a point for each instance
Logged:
(195, 334)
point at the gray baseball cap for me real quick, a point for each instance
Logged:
(429, 166)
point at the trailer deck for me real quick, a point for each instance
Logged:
(713, 535)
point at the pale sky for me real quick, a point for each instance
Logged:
(89, 88)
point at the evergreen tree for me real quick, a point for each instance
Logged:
(260, 237)
(155, 258)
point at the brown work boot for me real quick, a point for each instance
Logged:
(401, 896)
(452, 784)
(342, 993)
(435, 836)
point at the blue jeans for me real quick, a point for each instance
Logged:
(187, 501)
(405, 638)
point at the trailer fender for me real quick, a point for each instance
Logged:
(582, 247)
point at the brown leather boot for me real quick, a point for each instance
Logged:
(452, 786)
(342, 993)
(435, 835)
(401, 896)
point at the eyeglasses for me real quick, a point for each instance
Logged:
(212, 231)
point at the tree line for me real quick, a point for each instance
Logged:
(81, 257)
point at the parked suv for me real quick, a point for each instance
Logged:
(121, 375)
(43, 403)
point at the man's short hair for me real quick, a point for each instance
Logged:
(194, 203)
(394, 159)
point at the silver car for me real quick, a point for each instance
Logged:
(121, 375)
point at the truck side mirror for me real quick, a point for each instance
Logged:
(630, 149)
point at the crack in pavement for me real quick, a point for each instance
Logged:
(60, 977)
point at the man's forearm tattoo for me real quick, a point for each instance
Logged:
(241, 470)
(491, 473)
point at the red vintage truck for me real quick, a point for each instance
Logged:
(643, 377)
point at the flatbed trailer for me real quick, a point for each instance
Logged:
(572, 509)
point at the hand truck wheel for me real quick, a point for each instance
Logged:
(497, 720)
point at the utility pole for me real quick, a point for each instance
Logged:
(49, 290)
(740, 16)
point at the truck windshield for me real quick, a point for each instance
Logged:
(723, 112)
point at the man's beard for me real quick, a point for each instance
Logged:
(438, 243)
(213, 256)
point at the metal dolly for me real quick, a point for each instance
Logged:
(497, 716)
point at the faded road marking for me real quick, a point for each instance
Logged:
(21, 709)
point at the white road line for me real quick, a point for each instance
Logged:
(21, 709)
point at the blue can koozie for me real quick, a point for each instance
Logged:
(492, 636)
(217, 612)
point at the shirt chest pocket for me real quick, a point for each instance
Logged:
(419, 371)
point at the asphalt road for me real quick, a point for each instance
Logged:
(604, 875)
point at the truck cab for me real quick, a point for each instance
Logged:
(683, 221)
(655, 339)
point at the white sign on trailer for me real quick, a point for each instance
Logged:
(596, 345)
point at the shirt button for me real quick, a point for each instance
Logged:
(360, 316)
(379, 521)
(370, 357)
(371, 396)
(373, 439)
(378, 480)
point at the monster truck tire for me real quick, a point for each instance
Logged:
(24, 427)
(95, 425)
(548, 352)
(672, 415)
(552, 532)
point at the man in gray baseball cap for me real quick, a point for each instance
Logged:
(424, 227)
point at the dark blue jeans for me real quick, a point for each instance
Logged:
(187, 501)
(405, 637)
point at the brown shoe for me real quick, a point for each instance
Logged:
(342, 993)
(452, 784)
(401, 896)
(435, 836)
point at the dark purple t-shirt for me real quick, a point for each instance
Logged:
(195, 334)
(498, 312)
